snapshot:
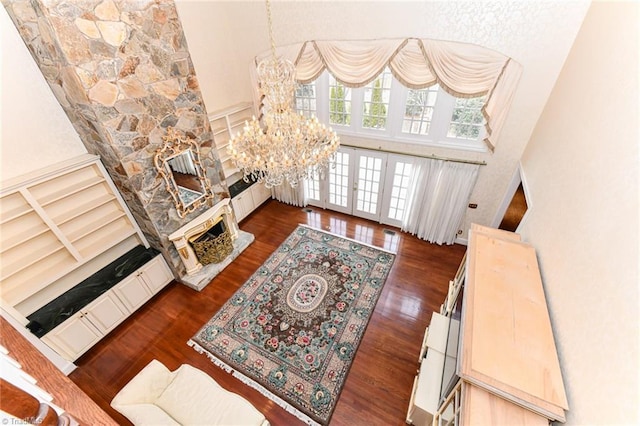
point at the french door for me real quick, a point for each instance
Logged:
(338, 185)
(363, 183)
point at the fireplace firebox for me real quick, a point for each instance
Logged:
(213, 245)
(209, 243)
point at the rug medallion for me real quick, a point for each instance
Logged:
(292, 330)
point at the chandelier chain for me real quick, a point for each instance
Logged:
(284, 145)
(270, 21)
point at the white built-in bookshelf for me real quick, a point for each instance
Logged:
(224, 125)
(56, 220)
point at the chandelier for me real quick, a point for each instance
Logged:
(285, 145)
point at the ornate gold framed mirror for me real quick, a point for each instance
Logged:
(178, 162)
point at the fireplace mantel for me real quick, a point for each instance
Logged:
(200, 225)
(199, 276)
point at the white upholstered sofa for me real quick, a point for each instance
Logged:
(186, 396)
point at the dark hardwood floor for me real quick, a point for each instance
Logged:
(378, 387)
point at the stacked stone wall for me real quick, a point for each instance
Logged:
(122, 72)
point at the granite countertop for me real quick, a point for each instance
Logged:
(64, 306)
(240, 186)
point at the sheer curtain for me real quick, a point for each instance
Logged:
(438, 200)
(183, 164)
(287, 194)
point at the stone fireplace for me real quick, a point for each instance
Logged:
(122, 73)
(217, 223)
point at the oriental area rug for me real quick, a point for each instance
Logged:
(292, 330)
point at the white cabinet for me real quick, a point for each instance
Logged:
(106, 313)
(140, 286)
(76, 335)
(156, 274)
(85, 328)
(249, 200)
(133, 292)
(56, 220)
(259, 194)
(242, 205)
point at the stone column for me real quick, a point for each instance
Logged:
(122, 72)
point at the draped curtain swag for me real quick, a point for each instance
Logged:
(462, 69)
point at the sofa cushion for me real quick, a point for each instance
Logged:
(194, 398)
(145, 387)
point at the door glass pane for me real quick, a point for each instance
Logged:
(401, 179)
(339, 179)
(312, 187)
(368, 184)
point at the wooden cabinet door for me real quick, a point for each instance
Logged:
(156, 274)
(132, 292)
(73, 337)
(106, 312)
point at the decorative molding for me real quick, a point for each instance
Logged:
(176, 144)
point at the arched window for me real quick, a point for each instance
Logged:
(478, 83)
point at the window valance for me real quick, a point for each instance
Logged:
(462, 69)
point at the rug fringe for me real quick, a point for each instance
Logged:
(257, 386)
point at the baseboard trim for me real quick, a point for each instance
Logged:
(463, 241)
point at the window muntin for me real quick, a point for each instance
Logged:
(418, 110)
(420, 116)
(305, 99)
(339, 103)
(467, 120)
(375, 105)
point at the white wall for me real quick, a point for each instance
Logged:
(35, 130)
(225, 36)
(581, 167)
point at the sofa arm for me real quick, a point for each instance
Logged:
(145, 387)
(146, 415)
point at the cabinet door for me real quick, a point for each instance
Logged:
(133, 292)
(242, 205)
(73, 337)
(259, 194)
(106, 312)
(156, 274)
